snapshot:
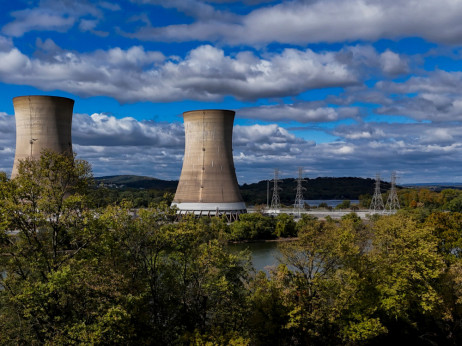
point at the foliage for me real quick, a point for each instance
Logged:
(76, 274)
(253, 226)
(344, 205)
(80, 276)
(285, 226)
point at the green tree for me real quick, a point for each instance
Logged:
(344, 205)
(285, 226)
(252, 226)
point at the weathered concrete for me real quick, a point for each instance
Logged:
(42, 122)
(208, 183)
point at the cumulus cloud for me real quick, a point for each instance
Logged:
(206, 73)
(102, 129)
(301, 22)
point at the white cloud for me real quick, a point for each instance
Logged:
(206, 73)
(303, 112)
(392, 63)
(49, 15)
(301, 22)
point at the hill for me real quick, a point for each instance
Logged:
(318, 188)
(136, 182)
(255, 193)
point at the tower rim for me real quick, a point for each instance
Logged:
(210, 110)
(43, 96)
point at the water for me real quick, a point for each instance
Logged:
(263, 254)
(330, 202)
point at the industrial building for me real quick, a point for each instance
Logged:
(42, 122)
(208, 183)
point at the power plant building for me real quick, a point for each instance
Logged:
(42, 122)
(208, 183)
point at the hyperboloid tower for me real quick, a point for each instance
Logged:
(208, 183)
(42, 122)
(377, 201)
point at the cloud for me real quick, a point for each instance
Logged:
(90, 25)
(392, 64)
(205, 74)
(418, 151)
(302, 22)
(302, 112)
(49, 15)
(194, 8)
(102, 129)
(435, 97)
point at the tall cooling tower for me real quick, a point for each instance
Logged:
(42, 122)
(208, 184)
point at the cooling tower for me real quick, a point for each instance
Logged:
(208, 184)
(42, 122)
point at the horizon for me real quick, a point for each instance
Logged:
(343, 89)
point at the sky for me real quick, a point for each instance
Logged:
(338, 87)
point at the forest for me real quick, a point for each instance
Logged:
(77, 273)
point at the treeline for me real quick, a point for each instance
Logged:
(143, 190)
(73, 274)
(318, 188)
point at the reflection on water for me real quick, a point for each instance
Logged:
(263, 255)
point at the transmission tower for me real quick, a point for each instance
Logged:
(299, 200)
(392, 202)
(275, 201)
(377, 201)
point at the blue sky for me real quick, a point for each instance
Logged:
(340, 87)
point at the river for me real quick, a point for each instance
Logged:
(263, 254)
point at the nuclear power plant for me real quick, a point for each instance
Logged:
(208, 183)
(42, 122)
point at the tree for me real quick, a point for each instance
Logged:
(323, 296)
(285, 226)
(407, 268)
(113, 275)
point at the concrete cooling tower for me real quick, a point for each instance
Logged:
(42, 122)
(208, 184)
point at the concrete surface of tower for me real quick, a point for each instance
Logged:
(208, 183)
(42, 122)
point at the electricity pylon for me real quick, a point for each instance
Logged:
(275, 201)
(392, 201)
(377, 201)
(299, 200)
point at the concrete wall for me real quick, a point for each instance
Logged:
(208, 178)
(42, 122)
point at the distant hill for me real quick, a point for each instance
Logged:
(136, 182)
(255, 193)
(318, 188)
(435, 186)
